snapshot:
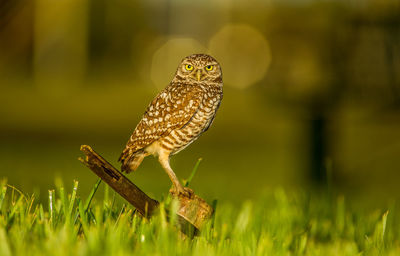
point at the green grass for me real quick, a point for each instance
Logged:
(278, 223)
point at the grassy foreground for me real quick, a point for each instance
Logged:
(277, 224)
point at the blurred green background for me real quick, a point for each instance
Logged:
(311, 96)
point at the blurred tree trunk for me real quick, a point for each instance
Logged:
(318, 146)
(16, 36)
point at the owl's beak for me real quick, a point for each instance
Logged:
(198, 75)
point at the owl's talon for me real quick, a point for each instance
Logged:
(181, 191)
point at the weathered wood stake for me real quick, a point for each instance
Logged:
(193, 211)
(117, 181)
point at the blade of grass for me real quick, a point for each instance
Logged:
(83, 217)
(119, 215)
(30, 204)
(82, 213)
(384, 221)
(41, 213)
(15, 208)
(19, 191)
(214, 206)
(72, 201)
(51, 205)
(2, 195)
(106, 201)
(91, 195)
(63, 201)
(196, 166)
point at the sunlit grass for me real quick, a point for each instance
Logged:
(279, 223)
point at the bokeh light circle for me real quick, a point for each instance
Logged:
(243, 52)
(169, 55)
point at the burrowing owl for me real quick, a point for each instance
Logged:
(177, 115)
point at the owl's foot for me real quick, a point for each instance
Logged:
(181, 191)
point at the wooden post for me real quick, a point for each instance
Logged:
(117, 181)
(193, 211)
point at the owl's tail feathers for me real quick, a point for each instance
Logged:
(131, 162)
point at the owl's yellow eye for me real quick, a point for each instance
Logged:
(209, 67)
(189, 67)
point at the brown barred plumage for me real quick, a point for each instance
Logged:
(177, 116)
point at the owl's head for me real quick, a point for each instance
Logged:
(199, 68)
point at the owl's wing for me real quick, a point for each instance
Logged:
(172, 109)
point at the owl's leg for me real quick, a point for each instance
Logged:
(177, 186)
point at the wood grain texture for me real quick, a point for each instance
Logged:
(117, 181)
(193, 211)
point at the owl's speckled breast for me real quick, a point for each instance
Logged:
(179, 139)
